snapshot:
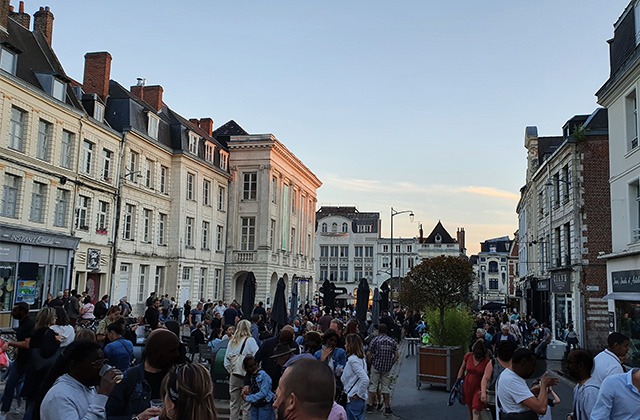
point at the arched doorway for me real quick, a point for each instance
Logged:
(272, 289)
(238, 284)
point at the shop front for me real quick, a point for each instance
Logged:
(32, 264)
(538, 299)
(562, 299)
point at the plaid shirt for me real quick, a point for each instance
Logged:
(383, 351)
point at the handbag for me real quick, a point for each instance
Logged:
(237, 360)
(342, 398)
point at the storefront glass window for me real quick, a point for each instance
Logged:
(7, 284)
(628, 322)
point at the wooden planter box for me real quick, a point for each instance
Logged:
(438, 366)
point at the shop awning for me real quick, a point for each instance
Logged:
(622, 296)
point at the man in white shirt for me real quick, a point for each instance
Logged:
(585, 393)
(512, 393)
(609, 361)
(220, 308)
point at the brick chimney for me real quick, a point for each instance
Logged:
(21, 17)
(43, 23)
(207, 125)
(461, 240)
(4, 14)
(152, 95)
(194, 121)
(97, 72)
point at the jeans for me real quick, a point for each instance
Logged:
(263, 413)
(14, 377)
(355, 409)
(541, 350)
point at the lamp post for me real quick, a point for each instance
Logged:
(395, 213)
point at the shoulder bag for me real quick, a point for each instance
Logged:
(237, 368)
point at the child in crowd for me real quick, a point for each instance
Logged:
(553, 399)
(260, 395)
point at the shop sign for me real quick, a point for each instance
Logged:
(26, 291)
(38, 239)
(561, 282)
(93, 259)
(541, 285)
(625, 281)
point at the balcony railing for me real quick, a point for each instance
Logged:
(244, 256)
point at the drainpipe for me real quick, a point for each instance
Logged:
(117, 214)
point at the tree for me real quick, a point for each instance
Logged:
(440, 283)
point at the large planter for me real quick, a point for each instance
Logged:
(438, 366)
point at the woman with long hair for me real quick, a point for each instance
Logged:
(476, 369)
(187, 392)
(62, 327)
(86, 311)
(240, 345)
(354, 378)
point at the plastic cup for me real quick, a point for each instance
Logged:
(156, 403)
(106, 368)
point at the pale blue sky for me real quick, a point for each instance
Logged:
(418, 105)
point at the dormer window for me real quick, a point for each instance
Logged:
(153, 125)
(58, 89)
(193, 143)
(52, 85)
(224, 160)
(98, 111)
(209, 150)
(8, 60)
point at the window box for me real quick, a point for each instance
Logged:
(101, 231)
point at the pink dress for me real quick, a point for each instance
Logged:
(472, 380)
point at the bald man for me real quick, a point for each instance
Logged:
(306, 391)
(162, 350)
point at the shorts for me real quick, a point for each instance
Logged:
(383, 379)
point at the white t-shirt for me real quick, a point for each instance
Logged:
(511, 390)
(605, 364)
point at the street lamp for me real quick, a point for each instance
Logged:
(395, 213)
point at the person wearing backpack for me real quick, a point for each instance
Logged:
(504, 353)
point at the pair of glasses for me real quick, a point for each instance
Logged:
(99, 363)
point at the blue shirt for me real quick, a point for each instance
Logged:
(618, 398)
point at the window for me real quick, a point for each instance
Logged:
(164, 179)
(133, 167)
(324, 273)
(224, 160)
(209, 152)
(357, 273)
(409, 248)
(8, 60)
(410, 263)
(148, 175)
(344, 273)
(62, 208)
(493, 267)
(203, 282)
(333, 250)
(398, 250)
(247, 233)
(293, 201)
(217, 275)
(159, 280)
(368, 251)
(334, 228)
(206, 192)
(146, 225)
(106, 164)
(493, 284)
(567, 243)
(358, 251)
(385, 262)
(364, 228)
(272, 233)
(333, 273)
(219, 237)
(162, 228)
(293, 240)
(344, 251)
(193, 143)
(324, 228)
(153, 125)
(206, 226)
(82, 213)
(345, 228)
(38, 200)
(87, 156)
(631, 111)
(274, 189)
(191, 180)
(98, 111)
(17, 124)
(250, 185)
(66, 149)
(324, 251)
(128, 222)
(45, 134)
(186, 275)
(103, 214)
(566, 176)
(634, 202)
(58, 89)
(385, 248)
(189, 232)
(556, 189)
(221, 197)
(144, 271)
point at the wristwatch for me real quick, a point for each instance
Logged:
(135, 418)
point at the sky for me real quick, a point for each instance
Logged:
(416, 105)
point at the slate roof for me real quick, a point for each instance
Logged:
(546, 147)
(230, 128)
(440, 231)
(357, 218)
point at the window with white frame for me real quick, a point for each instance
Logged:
(87, 156)
(357, 273)
(219, 237)
(345, 228)
(58, 89)
(224, 160)
(107, 155)
(45, 135)
(334, 228)
(324, 273)
(191, 181)
(364, 228)
(103, 216)
(159, 280)
(82, 212)
(631, 111)
(324, 251)
(146, 225)
(164, 180)
(247, 233)
(217, 276)
(62, 208)
(153, 126)
(333, 251)
(203, 282)
(221, 198)
(409, 263)
(358, 251)
(206, 192)
(333, 273)
(38, 200)
(409, 248)
(148, 174)
(272, 233)
(189, 232)
(344, 273)
(128, 225)
(344, 251)
(209, 152)
(323, 228)
(98, 111)
(8, 60)
(385, 262)
(133, 169)
(368, 272)
(17, 124)
(368, 251)
(385, 248)
(162, 228)
(206, 230)
(66, 149)
(186, 275)
(634, 203)
(142, 281)
(249, 185)
(193, 143)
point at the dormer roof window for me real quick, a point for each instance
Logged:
(98, 111)
(8, 60)
(209, 150)
(53, 85)
(153, 126)
(224, 160)
(193, 143)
